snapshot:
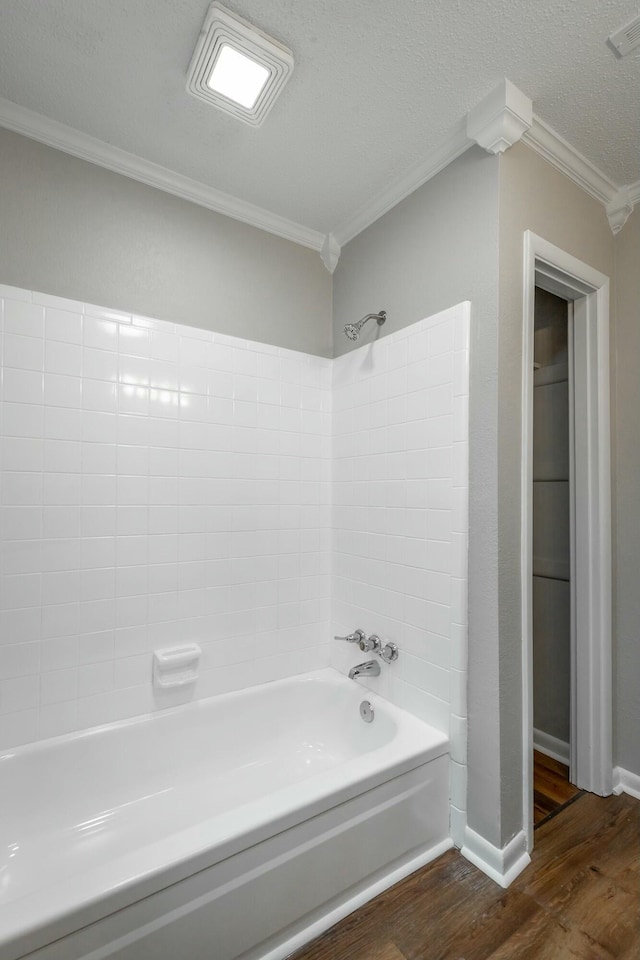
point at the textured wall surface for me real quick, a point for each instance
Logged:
(400, 520)
(160, 484)
(626, 354)
(72, 229)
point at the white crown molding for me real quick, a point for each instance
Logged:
(500, 120)
(621, 206)
(69, 140)
(619, 209)
(619, 201)
(501, 865)
(419, 173)
(559, 153)
(330, 252)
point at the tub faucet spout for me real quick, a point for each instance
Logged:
(371, 668)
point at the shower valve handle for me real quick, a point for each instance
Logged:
(371, 644)
(358, 636)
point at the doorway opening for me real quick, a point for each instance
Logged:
(553, 498)
(566, 526)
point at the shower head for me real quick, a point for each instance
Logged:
(352, 330)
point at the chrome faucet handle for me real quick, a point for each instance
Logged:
(389, 652)
(358, 636)
(370, 644)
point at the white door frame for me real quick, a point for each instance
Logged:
(548, 266)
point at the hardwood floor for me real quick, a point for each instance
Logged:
(551, 787)
(578, 900)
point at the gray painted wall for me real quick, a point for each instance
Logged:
(626, 460)
(72, 229)
(437, 247)
(433, 249)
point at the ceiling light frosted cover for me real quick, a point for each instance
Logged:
(237, 77)
(238, 67)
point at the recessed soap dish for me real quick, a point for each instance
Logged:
(176, 666)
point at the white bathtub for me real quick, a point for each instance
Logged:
(239, 826)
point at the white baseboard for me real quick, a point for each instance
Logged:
(321, 920)
(501, 865)
(551, 746)
(626, 782)
(457, 825)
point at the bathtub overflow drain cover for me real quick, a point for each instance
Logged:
(366, 711)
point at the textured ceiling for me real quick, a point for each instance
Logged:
(377, 85)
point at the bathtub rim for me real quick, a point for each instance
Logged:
(326, 674)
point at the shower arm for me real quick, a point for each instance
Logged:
(352, 330)
(380, 317)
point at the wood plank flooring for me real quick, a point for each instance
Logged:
(551, 787)
(578, 900)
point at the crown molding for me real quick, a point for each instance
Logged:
(419, 173)
(618, 201)
(500, 130)
(330, 252)
(69, 140)
(500, 120)
(619, 209)
(564, 157)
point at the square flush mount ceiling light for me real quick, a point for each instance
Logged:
(237, 67)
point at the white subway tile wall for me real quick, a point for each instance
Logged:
(159, 484)
(400, 520)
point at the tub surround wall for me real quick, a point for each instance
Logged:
(400, 520)
(76, 230)
(159, 484)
